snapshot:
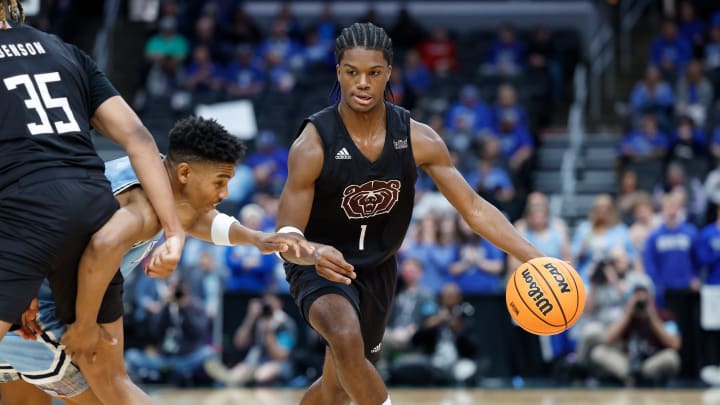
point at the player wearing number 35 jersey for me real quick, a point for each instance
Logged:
(53, 192)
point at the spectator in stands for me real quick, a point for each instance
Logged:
(250, 271)
(269, 163)
(627, 194)
(468, 112)
(644, 222)
(689, 189)
(163, 79)
(279, 76)
(712, 56)
(326, 25)
(167, 43)
(489, 178)
(707, 248)
(417, 75)
(517, 147)
(549, 234)
(318, 52)
(694, 94)
(644, 144)
(281, 45)
(712, 191)
(691, 28)
(202, 76)
(649, 341)
(669, 258)
(205, 281)
(507, 107)
(401, 93)
(543, 56)
(596, 236)
(669, 51)
(269, 335)
(507, 55)
(242, 28)
(439, 52)
(447, 335)
(420, 247)
(652, 95)
(179, 328)
(688, 145)
(205, 34)
(610, 280)
(479, 265)
(412, 305)
(406, 33)
(243, 77)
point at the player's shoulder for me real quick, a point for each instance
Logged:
(308, 141)
(423, 133)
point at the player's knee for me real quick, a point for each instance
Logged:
(342, 340)
(103, 241)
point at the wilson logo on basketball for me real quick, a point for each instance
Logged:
(535, 292)
(373, 198)
(559, 278)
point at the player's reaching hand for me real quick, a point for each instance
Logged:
(331, 264)
(30, 328)
(82, 339)
(283, 242)
(166, 257)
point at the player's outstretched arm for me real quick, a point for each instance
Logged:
(305, 163)
(117, 121)
(238, 234)
(431, 154)
(99, 263)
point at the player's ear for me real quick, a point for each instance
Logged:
(337, 71)
(183, 172)
(389, 72)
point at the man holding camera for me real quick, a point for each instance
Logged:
(269, 334)
(180, 329)
(642, 346)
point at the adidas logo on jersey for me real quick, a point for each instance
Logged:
(343, 154)
(377, 348)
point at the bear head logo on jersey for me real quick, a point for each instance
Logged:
(373, 198)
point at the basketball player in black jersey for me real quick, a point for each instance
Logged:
(350, 190)
(53, 191)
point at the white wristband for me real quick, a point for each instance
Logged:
(288, 229)
(220, 229)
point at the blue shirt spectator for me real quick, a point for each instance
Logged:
(652, 94)
(318, 51)
(712, 49)
(670, 51)
(468, 112)
(646, 143)
(691, 28)
(244, 77)
(250, 270)
(507, 54)
(707, 251)
(507, 108)
(669, 257)
(417, 75)
(280, 43)
(478, 267)
(202, 74)
(269, 163)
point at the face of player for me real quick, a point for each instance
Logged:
(363, 75)
(206, 184)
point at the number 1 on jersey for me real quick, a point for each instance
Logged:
(361, 245)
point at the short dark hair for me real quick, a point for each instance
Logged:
(364, 35)
(200, 139)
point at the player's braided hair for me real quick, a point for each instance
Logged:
(15, 9)
(199, 139)
(363, 35)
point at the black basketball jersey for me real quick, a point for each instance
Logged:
(363, 208)
(48, 92)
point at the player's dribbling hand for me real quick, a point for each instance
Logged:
(331, 264)
(166, 257)
(30, 327)
(283, 242)
(82, 340)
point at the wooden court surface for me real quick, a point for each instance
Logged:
(454, 397)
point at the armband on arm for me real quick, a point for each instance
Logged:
(288, 229)
(220, 229)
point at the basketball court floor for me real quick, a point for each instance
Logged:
(454, 397)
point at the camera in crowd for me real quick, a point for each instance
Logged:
(267, 310)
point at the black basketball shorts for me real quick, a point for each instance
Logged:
(46, 221)
(371, 294)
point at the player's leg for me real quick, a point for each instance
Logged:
(336, 320)
(326, 390)
(21, 393)
(107, 376)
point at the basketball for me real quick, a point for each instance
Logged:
(545, 296)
